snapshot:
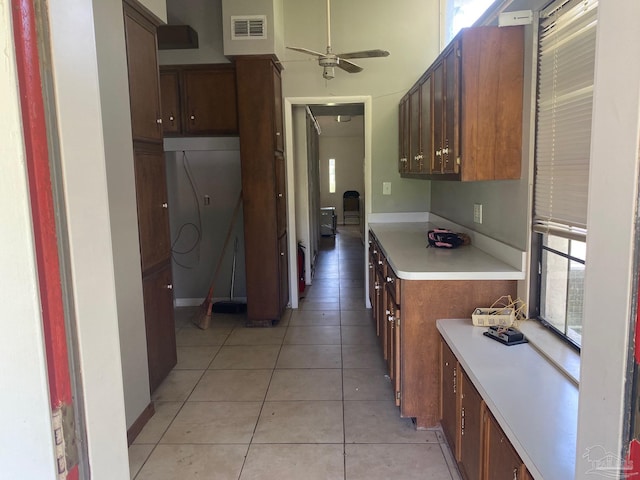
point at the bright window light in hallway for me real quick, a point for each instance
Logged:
(332, 175)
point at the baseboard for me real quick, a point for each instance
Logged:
(196, 302)
(140, 422)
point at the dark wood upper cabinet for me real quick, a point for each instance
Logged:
(210, 101)
(474, 107)
(201, 98)
(144, 89)
(171, 111)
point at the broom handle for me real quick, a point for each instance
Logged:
(224, 247)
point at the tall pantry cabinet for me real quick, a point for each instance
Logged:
(260, 124)
(151, 190)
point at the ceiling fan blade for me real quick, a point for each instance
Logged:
(348, 66)
(307, 51)
(365, 54)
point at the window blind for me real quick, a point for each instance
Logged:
(566, 60)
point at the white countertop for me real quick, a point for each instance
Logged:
(405, 246)
(535, 404)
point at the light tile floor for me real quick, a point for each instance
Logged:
(307, 399)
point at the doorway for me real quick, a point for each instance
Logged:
(299, 217)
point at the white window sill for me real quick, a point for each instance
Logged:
(563, 356)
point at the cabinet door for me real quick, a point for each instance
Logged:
(449, 396)
(397, 355)
(210, 102)
(277, 112)
(438, 117)
(382, 307)
(414, 131)
(153, 213)
(372, 280)
(502, 461)
(170, 96)
(144, 89)
(450, 150)
(159, 323)
(426, 126)
(281, 194)
(402, 134)
(471, 444)
(284, 271)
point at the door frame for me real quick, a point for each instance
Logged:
(289, 103)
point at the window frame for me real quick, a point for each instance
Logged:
(538, 235)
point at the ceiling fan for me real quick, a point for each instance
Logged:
(331, 60)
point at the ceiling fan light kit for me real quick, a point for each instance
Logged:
(328, 61)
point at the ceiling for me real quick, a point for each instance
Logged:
(326, 116)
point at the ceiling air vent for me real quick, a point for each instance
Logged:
(253, 27)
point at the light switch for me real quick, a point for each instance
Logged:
(386, 188)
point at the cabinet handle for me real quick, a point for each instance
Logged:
(282, 254)
(390, 280)
(169, 287)
(515, 474)
(445, 151)
(171, 118)
(165, 205)
(192, 117)
(438, 153)
(379, 262)
(390, 318)
(279, 195)
(377, 286)
(159, 121)
(388, 312)
(370, 265)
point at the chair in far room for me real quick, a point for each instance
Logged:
(351, 206)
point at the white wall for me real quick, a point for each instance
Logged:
(613, 196)
(302, 200)
(348, 153)
(205, 17)
(82, 147)
(118, 150)
(26, 443)
(157, 7)
(409, 31)
(214, 164)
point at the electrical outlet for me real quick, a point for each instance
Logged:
(477, 213)
(386, 188)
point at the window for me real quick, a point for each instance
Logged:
(463, 13)
(566, 60)
(332, 175)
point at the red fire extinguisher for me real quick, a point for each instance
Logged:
(301, 280)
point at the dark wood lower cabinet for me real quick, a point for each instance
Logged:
(478, 443)
(471, 430)
(501, 461)
(449, 406)
(158, 310)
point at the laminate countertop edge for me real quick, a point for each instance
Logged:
(533, 402)
(405, 247)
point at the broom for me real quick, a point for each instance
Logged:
(202, 318)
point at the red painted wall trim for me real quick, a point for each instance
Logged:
(42, 206)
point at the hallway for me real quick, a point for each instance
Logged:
(308, 399)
